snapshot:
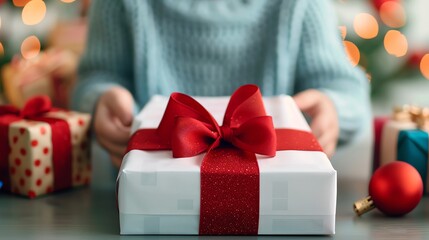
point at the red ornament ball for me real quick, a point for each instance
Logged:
(396, 188)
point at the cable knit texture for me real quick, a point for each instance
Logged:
(211, 47)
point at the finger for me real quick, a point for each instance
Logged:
(327, 138)
(110, 128)
(113, 148)
(121, 106)
(114, 134)
(330, 150)
(307, 100)
(117, 161)
(319, 124)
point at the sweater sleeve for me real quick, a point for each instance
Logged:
(107, 60)
(322, 64)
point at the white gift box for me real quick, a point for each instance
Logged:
(159, 194)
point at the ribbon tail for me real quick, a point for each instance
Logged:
(292, 139)
(229, 193)
(146, 140)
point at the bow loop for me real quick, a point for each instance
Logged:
(257, 135)
(191, 137)
(181, 105)
(245, 103)
(35, 106)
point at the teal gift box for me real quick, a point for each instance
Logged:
(413, 148)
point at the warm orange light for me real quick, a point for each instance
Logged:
(424, 66)
(395, 43)
(1, 49)
(20, 3)
(343, 31)
(393, 14)
(34, 12)
(30, 47)
(352, 52)
(67, 1)
(365, 26)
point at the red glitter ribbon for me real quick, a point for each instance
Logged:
(229, 170)
(34, 109)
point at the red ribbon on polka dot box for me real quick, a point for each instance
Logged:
(43, 149)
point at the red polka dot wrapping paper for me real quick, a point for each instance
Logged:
(30, 158)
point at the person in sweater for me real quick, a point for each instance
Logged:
(136, 49)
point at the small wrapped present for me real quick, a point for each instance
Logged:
(403, 118)
(254, 175)
(43, 149)
(404, 137)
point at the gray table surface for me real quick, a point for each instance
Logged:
(91, 214)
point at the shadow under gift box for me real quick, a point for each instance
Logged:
(30, 169)
(159, 194)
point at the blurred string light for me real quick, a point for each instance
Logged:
(365, 26)
(30, 47)
(393, 14)
(1, 50)
(67, 1)
(20, 3)
(33, 12)
(395, 43)
(424, 66)
(352, 52)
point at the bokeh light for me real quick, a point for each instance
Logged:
(424, 66)
(1, 50)
(343, 31)
(395, 43)
(393, 14)
(352, 52)
(67, 1)
(20, 3)
(34, 12)
(365, 25)
(30, 47)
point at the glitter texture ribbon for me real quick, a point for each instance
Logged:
(229, 169)
(34, 109)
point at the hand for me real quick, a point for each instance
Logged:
(324, 117)
(113, 118)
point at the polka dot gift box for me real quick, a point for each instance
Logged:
(43, 149)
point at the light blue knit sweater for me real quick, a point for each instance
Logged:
(211, 47)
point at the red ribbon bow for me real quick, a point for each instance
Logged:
(34, 107)
(229, 201)
(191, 129)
